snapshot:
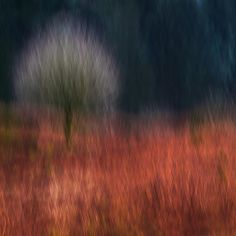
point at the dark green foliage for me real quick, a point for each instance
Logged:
(172, 52)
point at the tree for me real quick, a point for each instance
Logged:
(66, 67)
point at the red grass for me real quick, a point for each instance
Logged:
(153, 180)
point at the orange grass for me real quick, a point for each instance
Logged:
(152, 180)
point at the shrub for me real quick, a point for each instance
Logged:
(66, 67)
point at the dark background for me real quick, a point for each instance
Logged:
(172, 53)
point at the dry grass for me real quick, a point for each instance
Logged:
(153, 180)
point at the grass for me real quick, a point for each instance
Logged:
(148, 180)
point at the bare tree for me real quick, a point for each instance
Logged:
(67, 68)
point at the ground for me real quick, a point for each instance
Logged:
(144, 177)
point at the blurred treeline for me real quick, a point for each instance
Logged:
(172, 53)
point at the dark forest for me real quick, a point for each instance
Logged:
(173, 54)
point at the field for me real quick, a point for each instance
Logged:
(145, 177)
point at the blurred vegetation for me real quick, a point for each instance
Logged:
(67, 69)
(172, 53)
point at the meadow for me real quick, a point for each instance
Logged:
(134, 176)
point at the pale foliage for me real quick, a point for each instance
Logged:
(66, 67)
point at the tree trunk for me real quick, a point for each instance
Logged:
(68, 125)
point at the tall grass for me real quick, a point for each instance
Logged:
(157, 183)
